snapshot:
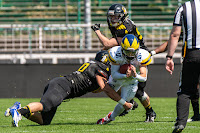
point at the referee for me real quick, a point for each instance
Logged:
(187, 17)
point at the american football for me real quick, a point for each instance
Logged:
(123, 68)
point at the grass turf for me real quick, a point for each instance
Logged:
(80, 115)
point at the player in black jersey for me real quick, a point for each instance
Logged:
(91, 76)
(120, 25)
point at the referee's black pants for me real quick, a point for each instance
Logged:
(188, 90)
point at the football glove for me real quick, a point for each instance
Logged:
(95, 27)
(153, 53)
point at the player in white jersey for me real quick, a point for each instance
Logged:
(128, 53)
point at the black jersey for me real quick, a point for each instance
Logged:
(84, 79)
(127, 27)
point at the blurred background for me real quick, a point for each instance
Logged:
(43, 39)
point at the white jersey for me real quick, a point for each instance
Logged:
(117, 59)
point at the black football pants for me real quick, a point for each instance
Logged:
(188, 90)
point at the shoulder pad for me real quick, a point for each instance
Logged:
(144, 57)
(130, 21)
(115, 55)
(130, 26)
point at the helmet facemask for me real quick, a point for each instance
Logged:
(114, 19)
(130, 46)
(130, 53)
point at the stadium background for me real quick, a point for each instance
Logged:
(43, 39)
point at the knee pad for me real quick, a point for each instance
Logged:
(142, 97)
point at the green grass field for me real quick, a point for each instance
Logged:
(80, 115)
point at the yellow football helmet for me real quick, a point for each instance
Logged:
(130, 46)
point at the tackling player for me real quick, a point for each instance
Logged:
(120, 25)
(89, 77)
(128, 53)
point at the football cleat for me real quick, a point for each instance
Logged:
(105, 120)
(135, 105)
(178, 129)
(194, 118)
(17, 105)
(16, 117)
(150, 117)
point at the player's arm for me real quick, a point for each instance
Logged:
(163, 47)
(160, 49)
(107, 43)
(116, 75)
(102, 82)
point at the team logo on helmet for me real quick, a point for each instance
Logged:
(130, 46)
(102, 57)
(130, 42)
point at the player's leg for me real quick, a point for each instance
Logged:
(55, 92)
(31, 112)
(145, 100)
(127, 93)
(59, 90)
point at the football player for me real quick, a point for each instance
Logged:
(89, 77)
(128, 53)
(120, 25)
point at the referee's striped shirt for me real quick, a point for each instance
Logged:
(188, 16)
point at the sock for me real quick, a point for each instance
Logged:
(25, 111)
(149, 109)
(117, 111)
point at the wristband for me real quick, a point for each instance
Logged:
(122, 101)
(153, 53)
(168, 56)
(140, 78)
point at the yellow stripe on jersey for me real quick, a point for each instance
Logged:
(110, 58)
(120, 27)
(184, 49)
(140, 36)
(147, 61)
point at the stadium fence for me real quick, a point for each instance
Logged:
(18, 43)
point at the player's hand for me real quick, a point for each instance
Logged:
(169, 66)
(128, 72)
(128, 106)
(133, 71)
(95, 27)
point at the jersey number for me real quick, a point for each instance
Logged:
(83, 67)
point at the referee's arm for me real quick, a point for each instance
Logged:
(172, 44)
